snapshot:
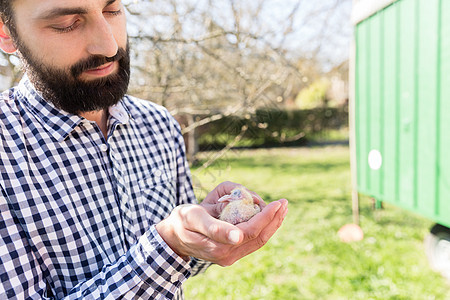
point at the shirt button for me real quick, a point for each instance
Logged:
(175, 278)
(104, 147)
(158, 173)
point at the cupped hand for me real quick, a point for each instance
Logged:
(193, 230)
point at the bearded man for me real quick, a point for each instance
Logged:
(96, 198)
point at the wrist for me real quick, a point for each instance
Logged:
(168, 235)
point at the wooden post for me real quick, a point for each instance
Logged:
(192, 145)
(352, 131)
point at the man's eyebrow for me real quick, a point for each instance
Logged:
(65, 11)
(109, 2)
(61, 11)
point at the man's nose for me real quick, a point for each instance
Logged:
(102, 40)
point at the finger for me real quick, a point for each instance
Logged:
(225, 188)
(197, 219)
(249, 246)
(256, 196)
(276, 223)
(222, 189)
(213, 209)
(255, 225)
(258, 200)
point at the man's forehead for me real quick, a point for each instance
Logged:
(43, 9)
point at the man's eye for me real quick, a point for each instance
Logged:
(115, 12)
(67, 28)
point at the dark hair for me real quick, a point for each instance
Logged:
(7, 15)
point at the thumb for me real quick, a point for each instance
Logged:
(214, 209)
(200, 221)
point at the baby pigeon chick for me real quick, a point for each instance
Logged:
(240, 207)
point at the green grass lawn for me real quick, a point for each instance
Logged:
(305, 259)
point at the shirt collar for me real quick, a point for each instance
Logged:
(120, 113)
(58, 122)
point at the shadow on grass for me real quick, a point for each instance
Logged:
(294, 167)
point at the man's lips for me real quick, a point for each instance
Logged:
(103, 70)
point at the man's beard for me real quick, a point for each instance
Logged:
(66, 91)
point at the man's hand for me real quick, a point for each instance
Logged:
(193, 230)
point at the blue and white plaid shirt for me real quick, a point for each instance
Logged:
(78, 211)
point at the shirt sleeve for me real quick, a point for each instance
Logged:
(185, 192)
(20, 274)
(149, 270)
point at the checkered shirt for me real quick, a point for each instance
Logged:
(78, 211)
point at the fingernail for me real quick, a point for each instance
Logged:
(278, 205)
(234, 236)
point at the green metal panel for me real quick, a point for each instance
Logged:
(407, 100)
(391, 107)
(376, 124)
(402, 106)
(443, 205)
(426, 85)
(362, 92)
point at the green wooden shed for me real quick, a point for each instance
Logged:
(400, 111)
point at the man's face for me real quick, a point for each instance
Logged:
(74, 51)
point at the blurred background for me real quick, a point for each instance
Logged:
(249, 66)
(261, 90)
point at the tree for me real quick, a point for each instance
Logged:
(204, 59)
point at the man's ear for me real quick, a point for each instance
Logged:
(6, 42)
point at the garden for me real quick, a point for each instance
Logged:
(306, 259)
